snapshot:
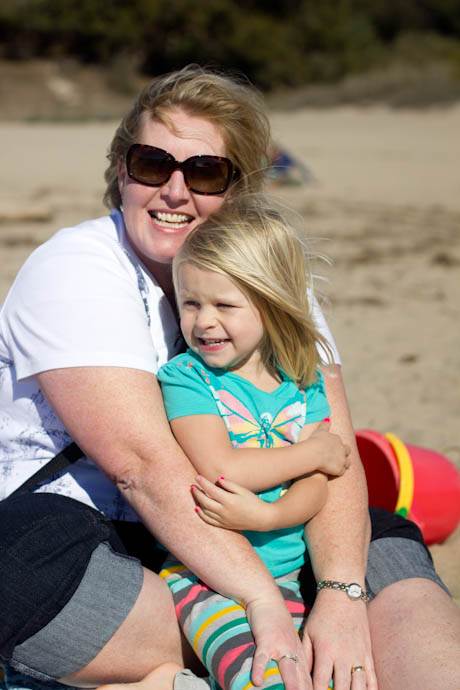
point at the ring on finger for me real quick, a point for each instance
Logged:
(292, 657)
(355, 669)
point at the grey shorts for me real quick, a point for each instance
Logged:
(111, 583)
(106, 594)
(395, 558)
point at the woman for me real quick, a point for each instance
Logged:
(84, 329)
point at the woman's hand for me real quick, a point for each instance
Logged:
(231, 506)
(276, 637)
(338, 631)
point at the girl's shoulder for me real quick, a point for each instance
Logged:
(188, 387)
(317, 404)
(185, 365)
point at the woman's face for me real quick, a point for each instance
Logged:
(158, 219)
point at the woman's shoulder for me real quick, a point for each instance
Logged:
(98, 234)
(74, 258)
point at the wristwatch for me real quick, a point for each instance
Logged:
(353, 590)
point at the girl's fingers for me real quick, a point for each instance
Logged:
(221, 487)
(208, 517)
(230, 486)
(209, 488)
(205, 501)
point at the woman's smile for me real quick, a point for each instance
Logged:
(158, 219)
(170, 221)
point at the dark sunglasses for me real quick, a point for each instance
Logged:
(153, 167)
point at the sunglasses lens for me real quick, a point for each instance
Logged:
(203, 174)
(207, 174)
(149, 165)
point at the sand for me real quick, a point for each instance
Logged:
(383, 201)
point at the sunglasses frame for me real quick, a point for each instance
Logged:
(182, 166)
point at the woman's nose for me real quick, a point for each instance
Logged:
(175, 188)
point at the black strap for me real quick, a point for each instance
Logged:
(66, 457)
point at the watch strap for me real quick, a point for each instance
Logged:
(344, 587)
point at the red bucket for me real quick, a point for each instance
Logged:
(415, 482)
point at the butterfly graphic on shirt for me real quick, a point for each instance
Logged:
(268, 431)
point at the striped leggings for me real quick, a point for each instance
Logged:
(218, 630)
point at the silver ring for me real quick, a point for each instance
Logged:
(355, 669)
(292, 657)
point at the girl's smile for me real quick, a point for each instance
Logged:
(218, 321)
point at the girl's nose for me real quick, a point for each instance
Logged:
(206, 318)
(175, 188)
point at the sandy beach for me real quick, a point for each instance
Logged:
(383, 202)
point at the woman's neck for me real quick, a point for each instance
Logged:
(162, 273)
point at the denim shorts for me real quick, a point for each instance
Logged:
(69, 577)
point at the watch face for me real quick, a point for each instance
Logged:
(354, 591)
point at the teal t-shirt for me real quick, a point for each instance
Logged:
(254, 419)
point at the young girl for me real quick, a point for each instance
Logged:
(246, 392)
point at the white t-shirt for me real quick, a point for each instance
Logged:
(81, 299)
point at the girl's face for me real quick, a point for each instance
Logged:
(158, 219)
(218, 321)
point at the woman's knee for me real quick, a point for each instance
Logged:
(147, 637)
(396, 559)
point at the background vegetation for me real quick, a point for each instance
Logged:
(277, 43)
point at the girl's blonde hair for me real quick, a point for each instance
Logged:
(228, 101)
(268, 260)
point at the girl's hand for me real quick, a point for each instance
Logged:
(229, 505)
(333, 455)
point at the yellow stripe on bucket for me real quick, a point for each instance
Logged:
(406, 475)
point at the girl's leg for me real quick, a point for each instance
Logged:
(218, 631)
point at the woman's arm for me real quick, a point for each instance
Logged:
(205, 440)
(116, 416)
(339, 535)
(338, 539)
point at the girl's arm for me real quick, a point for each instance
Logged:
(302, 501)
(205, 441)
(231, 506)
(306, 496)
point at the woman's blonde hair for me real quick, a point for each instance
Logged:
(229, 102)
(268, 260)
